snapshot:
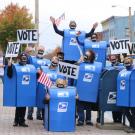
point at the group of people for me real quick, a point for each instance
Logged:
(87, 57)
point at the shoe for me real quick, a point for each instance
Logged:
(23, 124)
(88, 122)
(29, 117)
(130, 130)
(80, 123)
(39, 118)
(15, 124)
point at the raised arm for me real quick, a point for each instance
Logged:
(92, 30)
(52, 19)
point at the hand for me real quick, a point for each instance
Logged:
(39, 71)
(81, 59)
(52, 19)
(77, 96)
(9, 63)
(95, 25)
(78, 33)
(2, 66)
(47, 97)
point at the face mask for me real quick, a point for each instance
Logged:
(72, 26)
(86, 58)
(40, 54)
(23, 60)
(94, 40)
(54, 64)
(113, 61)
(128, 65)
(60, 58)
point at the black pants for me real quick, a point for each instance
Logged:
(130, 114)
(20, 114)
(117, 116)
(82, 105)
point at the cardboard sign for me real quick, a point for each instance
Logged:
(12, 49)
(119, 46)
(131, 48)
(68, 70)
(27, 36)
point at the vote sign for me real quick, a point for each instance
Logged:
(119, 46)
(68, 70)
(27, 36)
(12, 49)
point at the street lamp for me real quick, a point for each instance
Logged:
(129, 21)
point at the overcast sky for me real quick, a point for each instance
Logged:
(84, 12)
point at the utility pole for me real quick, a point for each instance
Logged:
(37, 18)
(130, 24)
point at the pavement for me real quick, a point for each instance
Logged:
(36, 127)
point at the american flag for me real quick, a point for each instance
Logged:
(58, 20)
(45, 80)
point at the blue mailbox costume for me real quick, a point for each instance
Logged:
(20, 86)
(60, 112)
(88, 81)
(70, 45)
(126, 92)
(123, 88)
(100, 49)
(20, 90)
(38, 62)
(126, 88)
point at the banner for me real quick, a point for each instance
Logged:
(12, 49)
(27, 36)
(68, 70)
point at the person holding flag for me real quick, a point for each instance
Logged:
(47, 76)
(70, 46)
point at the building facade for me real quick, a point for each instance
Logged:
(117, 27)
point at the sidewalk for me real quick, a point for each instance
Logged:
(36, 127)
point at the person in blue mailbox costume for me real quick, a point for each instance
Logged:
(89, 57)
(70, 47)
(51, 72)
(37, 61)
(72, 26)
(130, 111)
(20, 111)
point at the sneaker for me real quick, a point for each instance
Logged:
(88, 122)
(39, 118)
(29, 117)
(80, 123)
(23, 124)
